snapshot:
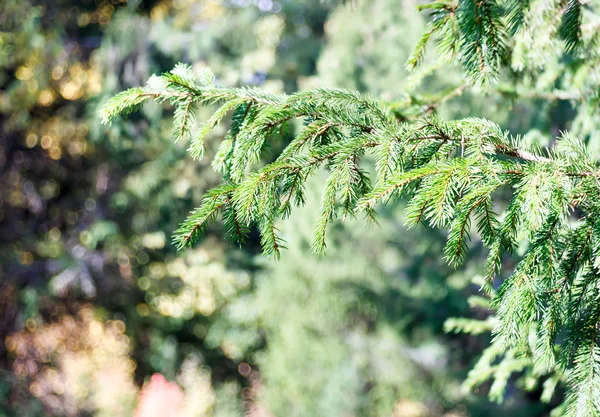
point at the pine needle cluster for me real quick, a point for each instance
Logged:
(449, 172)
(481, 34)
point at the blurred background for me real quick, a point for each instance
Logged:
(100, 316)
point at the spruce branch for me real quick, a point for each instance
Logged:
(448, 171)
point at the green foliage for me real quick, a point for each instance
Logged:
(449, 172)
(482, 38)
(476, 33)
(451, 169)
(515, 16)
(570, 29)
(443, 23)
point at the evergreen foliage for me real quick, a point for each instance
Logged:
(547, 310)
(478, 33)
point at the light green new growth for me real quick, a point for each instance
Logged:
(448, 171)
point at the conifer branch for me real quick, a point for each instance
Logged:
(448, 171)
